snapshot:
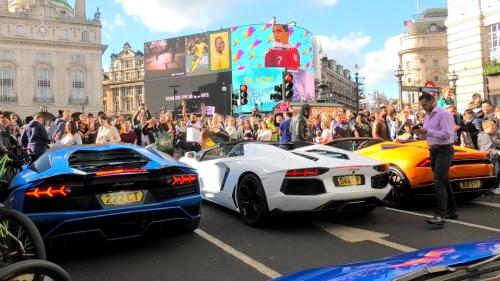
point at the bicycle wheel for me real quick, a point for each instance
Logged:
(33, 269)
(19, 238)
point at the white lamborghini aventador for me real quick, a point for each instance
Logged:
(256, 179)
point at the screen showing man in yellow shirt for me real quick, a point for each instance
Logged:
(199, 51)
(219, 54)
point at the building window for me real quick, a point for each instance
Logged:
(494, 42)
(409, 80)
(128, 104)
(85, 36)
(20, 30)
(64, 35)
(127, 76)
(78, 88)
(78, 59)
(7, 84)
(408, 64)
(435, 63)
(436, 78)
(6, 54)
(43, 93)
(42, 57)
(127, 64)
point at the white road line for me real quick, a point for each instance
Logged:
(451, 221)
(489, 204)
(353, 235)
(239, 255)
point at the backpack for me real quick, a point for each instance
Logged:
(164, 141)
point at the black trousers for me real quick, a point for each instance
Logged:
(496, 162)
(441, 158)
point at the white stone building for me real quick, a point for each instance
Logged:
(50, 57)
(124, 83)
(473, 41)
(424, 53)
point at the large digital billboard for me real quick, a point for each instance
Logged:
(268, 45)
(268, 50)
(197, 54)
(255, 55)
(159, 95)
(165, 58)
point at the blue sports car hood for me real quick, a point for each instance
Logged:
(397, 266)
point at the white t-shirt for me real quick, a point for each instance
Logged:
(193, 132)
(71, 140)
(326, 136)
(107, 135)
(264, 135)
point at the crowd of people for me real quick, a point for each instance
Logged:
(475, 128)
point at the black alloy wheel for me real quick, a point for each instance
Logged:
(252, 201)
(399, 194)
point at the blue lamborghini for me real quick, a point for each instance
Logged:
(469, 261)
(116, 191)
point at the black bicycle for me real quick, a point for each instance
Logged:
(31, 270)
(19, 238)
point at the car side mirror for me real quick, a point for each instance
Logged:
(190, 154)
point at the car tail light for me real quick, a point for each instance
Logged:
(425, 163)
(313, 172)
(179, 180)
(381, 168)
(119, 171)
(47, 192)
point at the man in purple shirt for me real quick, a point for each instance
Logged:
(439, 132)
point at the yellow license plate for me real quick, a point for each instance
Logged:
(474, 184)
(350, 180)
(122, 198)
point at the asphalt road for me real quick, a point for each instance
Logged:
(223, 248)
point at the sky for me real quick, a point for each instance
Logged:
(363, 32)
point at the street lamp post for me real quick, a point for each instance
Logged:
(399, 73)
(224, 92)
(356, 76)
(175, 94)
(453, 77)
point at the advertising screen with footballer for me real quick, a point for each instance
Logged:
(271, 45)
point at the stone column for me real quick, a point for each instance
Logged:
(80, 13)
(4, 6)
(120, 100)
(134, 98)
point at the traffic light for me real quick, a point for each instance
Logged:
(243, 94)
(236, 98)
(278, 95)
(288, 86)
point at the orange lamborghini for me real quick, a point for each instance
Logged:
(471, 172)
